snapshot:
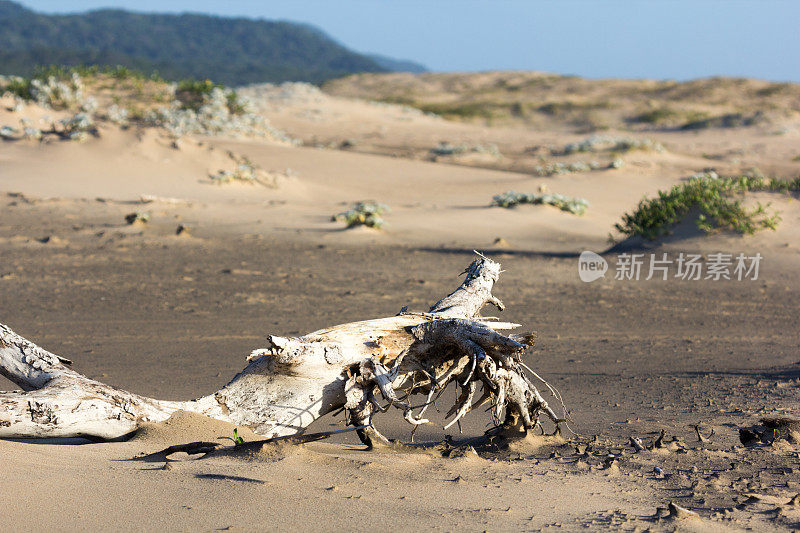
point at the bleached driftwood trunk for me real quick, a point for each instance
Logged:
(295, 380)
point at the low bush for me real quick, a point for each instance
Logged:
(557, 169)
(445, 148)
(599, 143)
(576, 206)
(245, 172)
(363, 214)
(718, 201)
(193, 94)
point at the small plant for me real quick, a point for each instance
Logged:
(19, 87)
(213, 112)
(48, 91)
(718, 201)
(237, 439)
(598, 143)
(8, 133)
(555, 169)
(31, 133)
(363, 214)
(576, 206)
(193, 94)
(138, 217)
(445, 148)
(77, 127)
(244, 172)
(117, 115)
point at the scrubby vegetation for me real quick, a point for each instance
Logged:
(446, 149)
(671, 117)
(576, 206)
(600, 143)
(569, 103)
(728, 120)
(456, 110)
(716, 200)
(368, 214)
(557, 169)
(77, 127)
(47, 89)
(126, 97)
(217, 111)
(245, 172)
(193, 94)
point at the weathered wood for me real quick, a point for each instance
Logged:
(295, 380)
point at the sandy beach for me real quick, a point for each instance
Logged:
(173, 315)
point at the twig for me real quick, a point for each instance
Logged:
(553, 391)
(700, 437)
(659, 442)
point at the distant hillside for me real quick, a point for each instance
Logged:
(234, 51)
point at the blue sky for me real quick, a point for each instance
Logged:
(676, 39)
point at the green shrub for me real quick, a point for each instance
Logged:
(576, 206)
(718, 200)
(20, 87)
(363, 214)
(192, 94)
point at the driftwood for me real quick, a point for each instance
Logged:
(294, 380)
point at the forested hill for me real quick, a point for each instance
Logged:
(234, 51)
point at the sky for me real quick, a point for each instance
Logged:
(664, 39)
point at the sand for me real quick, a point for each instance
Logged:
(174, 316)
